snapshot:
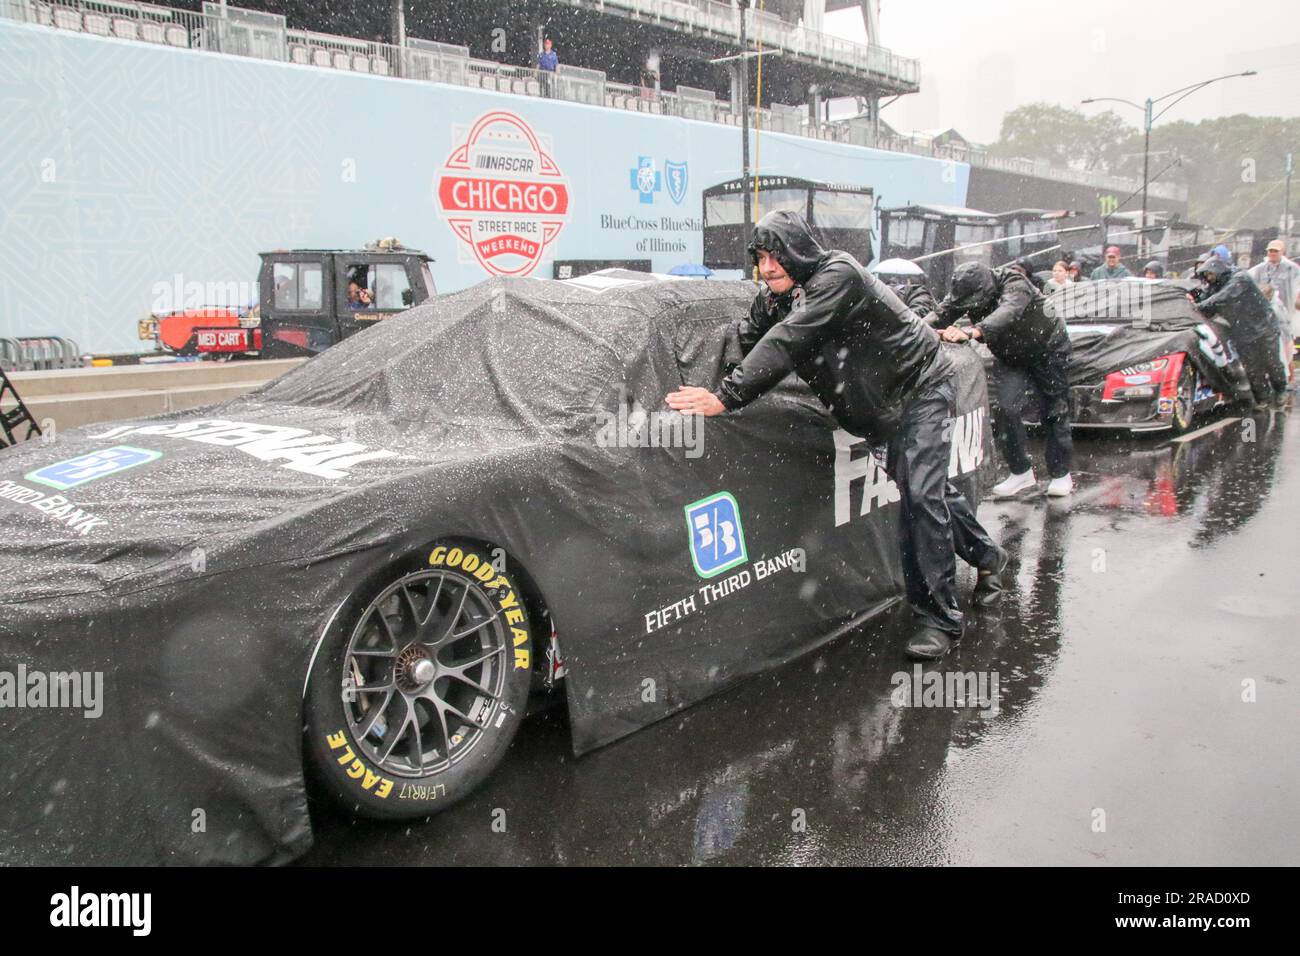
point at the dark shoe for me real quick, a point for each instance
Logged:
(930, 644)
(988, 582)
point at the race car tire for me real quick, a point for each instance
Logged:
(1185, 399)
(416, 693)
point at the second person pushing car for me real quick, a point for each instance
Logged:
(1032, 348)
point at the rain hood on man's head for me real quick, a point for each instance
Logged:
(790, 240)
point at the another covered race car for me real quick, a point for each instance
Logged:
(365, 567)
(1142, 358)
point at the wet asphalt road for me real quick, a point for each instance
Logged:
(1140, 614)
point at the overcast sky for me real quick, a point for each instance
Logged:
(981, 58)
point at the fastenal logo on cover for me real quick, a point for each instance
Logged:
(717, 538)
(98, 464)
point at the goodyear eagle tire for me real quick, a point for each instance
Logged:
(414, 698)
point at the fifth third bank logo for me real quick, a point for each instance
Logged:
(717, 538)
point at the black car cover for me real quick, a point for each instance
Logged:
(1118, 323)
(167, 580)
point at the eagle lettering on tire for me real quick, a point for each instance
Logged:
(414, 698)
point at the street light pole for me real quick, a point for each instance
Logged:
(1286, 204)
(743, 66)
(1146, 179)
(1148, 120)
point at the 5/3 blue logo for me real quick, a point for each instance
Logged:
(98, 464)
(717, 538)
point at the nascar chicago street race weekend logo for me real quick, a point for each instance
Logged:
(502, 194)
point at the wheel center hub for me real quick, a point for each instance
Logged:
(415, 668)
(423, 671)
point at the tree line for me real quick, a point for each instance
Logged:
(1233, 166)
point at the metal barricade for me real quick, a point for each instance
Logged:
(10, 354)
(39, 353)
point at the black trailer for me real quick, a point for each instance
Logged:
(913, 231)
(840, 213)
(1040, 231)
(1182, 244)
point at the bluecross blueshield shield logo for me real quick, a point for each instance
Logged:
(646, 180)
(98, 464)
(676, 173)
(717, 538)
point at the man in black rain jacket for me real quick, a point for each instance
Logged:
(917, 298)
(1232, 295)
(884, 376)
(1032, 347)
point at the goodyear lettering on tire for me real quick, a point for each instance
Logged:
(507, 601)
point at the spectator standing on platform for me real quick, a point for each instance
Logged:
(547, 63)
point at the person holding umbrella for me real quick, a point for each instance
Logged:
(907, 279)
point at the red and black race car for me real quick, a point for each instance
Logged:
(1142, 359)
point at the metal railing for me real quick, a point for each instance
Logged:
(580, 85)
(145, 22)
(246, 32)
(238, 32)
(435, 62)
(490, 75)
(38, 353)
(307, 48)
(720, 19)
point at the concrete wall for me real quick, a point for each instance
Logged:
(133, 171)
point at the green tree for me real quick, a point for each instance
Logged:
(1233, 166)
(1061, 136)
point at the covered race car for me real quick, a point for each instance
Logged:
(361, 570)
(1142, 358)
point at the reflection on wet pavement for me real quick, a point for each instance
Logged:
(1145, 708)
